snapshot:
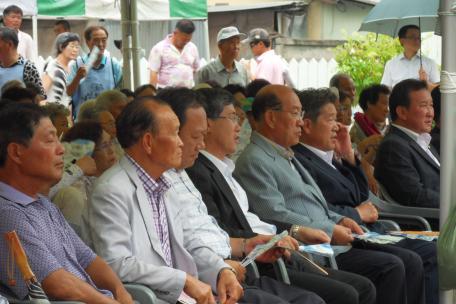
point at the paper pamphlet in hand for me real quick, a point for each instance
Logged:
(76, 149)
(260, 249)
(373, 237)
(186, 299)
(417, 235)
(318, 249)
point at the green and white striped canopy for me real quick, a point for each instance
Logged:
(110, 9)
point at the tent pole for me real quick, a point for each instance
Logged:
(126, 51)
(134, 43)
(206, 40)
(35, 34)
(448, 117)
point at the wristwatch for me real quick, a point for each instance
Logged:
(228, 268)
(294, 231)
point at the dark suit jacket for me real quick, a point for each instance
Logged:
(409, 175)
(344, 188)
(219, 199)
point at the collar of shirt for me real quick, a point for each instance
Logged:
(159, 186)
(402, 57)
(13, 195)
(20, 60)
(225, 166)
(288, 154)
(264, 55)
(326, 156)
(220, 67)
(423, 139)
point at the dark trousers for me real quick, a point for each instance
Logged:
(412, 253)
(265, 290)
(396, 272)
(339, 287)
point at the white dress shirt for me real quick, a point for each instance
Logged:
(26, 46)
(423, 140)
(400, 68)
(326, 156)
(226, 168)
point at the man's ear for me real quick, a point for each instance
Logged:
(269, 119)
(401, 112)
(148, 142)
(307, 126)
(210, 126)
(15, 152)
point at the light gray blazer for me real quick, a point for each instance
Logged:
(121, 230)
(277, 192)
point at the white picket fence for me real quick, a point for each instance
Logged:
(313, 73)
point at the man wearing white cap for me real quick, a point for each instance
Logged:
(269, 65)
(225, 69)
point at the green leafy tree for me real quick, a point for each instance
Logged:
(363, 57)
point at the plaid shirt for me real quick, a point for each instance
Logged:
(155, 192)
(49, 242)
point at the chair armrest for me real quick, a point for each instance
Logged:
(253, 268)
(407, 219)
(281, 271)
(141, 293)
(391, 206)
(390, 225)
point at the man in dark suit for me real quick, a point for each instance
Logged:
(227, 202)
(325, 151)
(280, 188)
(406, 165)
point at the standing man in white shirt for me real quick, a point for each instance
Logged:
(12, 18)
(269, 65)
(409, 64)
(174, 60)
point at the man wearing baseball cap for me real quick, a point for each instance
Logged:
(269, 65)
(225, 69)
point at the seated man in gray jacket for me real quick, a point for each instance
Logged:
(133, 222)
(280, 189)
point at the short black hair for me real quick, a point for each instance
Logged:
(400, 96)
(436, 96)
(235, 88)
(135, 120)
(403, 31)
(371, 94)
(263, 103)
(90, 130)
(12, 9)
(255, 86)
(19, 94)
(17, 125)
(216, 100)
(128, 92)
(9, 35)
(180, 100)
(142, 88)
(89, 30)
(312, 100)
(266, 42)
(185, 26)
(64, 23)
(335, 80)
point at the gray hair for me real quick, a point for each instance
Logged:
(105, 100)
